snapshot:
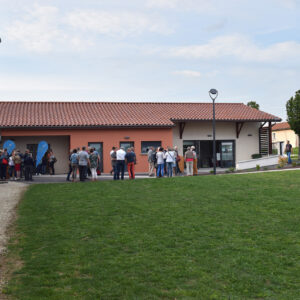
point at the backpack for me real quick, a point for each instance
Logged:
(153, 157)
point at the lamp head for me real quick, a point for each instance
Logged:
(213, 93)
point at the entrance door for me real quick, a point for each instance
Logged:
(206, 156)
(99, 148)
(227, 157)
(281, 148)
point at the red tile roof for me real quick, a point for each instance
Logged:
(110, 114)
(281, 126)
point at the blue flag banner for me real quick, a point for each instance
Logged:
(42, 149)
(10, 146)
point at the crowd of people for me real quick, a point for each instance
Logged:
(162, 162)
(18, 165)
(168, 162)
(86, 163)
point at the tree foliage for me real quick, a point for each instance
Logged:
(253, 104)
(293, 113)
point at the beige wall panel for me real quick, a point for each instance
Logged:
(59, 145)
(246, 145)
(284, 136)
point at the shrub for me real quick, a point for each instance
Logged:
(294, 164)
(279, 167)
(211, 171)
(257, 167)
(275, 151)
(266, 168)
(257, 155)
(232, 170)
(282, 161)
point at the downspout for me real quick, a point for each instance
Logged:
(270, 138)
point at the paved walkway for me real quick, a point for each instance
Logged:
(104, 177)
(62, 178)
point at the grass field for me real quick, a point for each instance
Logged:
(222, 237)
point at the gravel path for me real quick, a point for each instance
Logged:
(10, 194)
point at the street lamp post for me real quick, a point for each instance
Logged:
(213, 94)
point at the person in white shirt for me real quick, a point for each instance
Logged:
(170, 156)
(160, 156)
(120, 163)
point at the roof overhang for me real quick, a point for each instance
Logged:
(224, 120)
(85, 127)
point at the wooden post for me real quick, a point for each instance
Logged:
(270, 138)
(181, 129)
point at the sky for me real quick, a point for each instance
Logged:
(151, 50)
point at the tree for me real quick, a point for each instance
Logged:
(253, 104)
(293, 114)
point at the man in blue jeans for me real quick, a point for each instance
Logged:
(83, 162)
(288, 151)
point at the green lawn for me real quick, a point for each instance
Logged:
(206, 237)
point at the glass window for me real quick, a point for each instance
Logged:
(126, 145)
(187, 144)
(146, 145)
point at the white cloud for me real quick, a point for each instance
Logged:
(117, 24)
(187, 73)
(241, 48)
(45, 28)
(199, 5)
(38, 30)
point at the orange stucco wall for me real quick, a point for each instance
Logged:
(109, 138)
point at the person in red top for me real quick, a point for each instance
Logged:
(189, 159)
(3, 164)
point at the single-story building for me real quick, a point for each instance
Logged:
(281, 133)
(240, 130)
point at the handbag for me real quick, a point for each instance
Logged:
(98, 171)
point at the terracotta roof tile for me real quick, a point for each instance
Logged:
(108, 114)
(281, 126)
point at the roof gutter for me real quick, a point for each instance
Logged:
(225, 120)
(86, 127)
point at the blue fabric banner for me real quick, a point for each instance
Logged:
(10, 146)
(42, 149)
